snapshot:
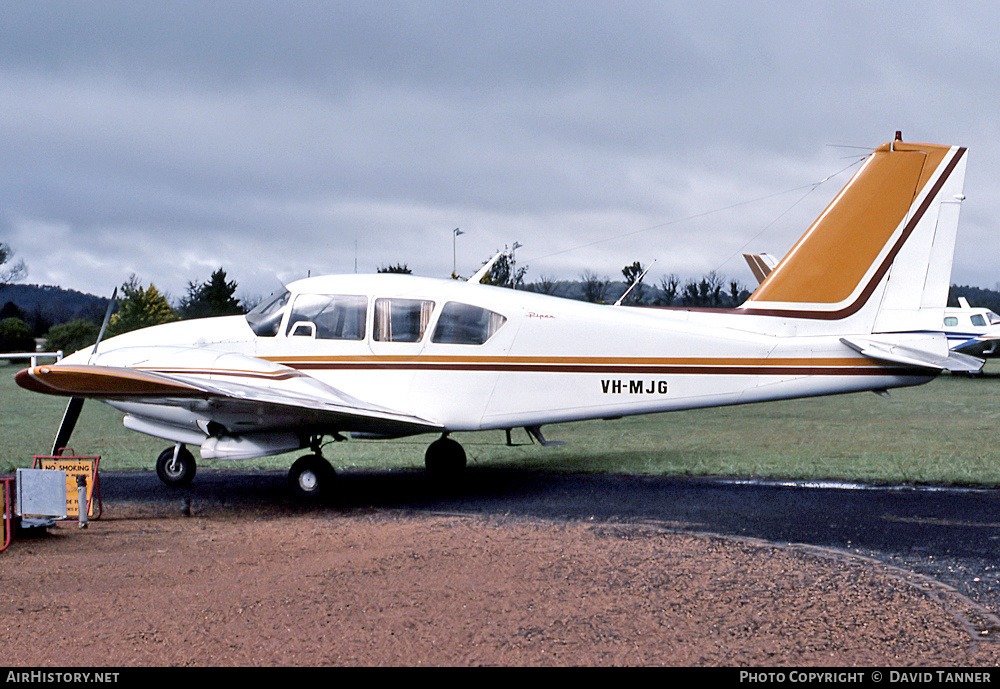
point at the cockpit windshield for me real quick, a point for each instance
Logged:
(328, 317)
(265, 318)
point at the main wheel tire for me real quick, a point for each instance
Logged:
(179, 473)
(311, 476)
(445, 459)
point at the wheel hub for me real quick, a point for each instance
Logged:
(308, 480)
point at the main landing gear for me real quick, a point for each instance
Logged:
(444, 459)
(311, 476)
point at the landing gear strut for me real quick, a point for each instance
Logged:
(176, 466)
(445, 459)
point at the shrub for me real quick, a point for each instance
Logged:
(15, 336)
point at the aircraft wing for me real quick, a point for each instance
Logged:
(241, 393)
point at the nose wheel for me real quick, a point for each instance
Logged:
(311, 476)
(176, 466)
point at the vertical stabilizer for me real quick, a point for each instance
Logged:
(880, 254)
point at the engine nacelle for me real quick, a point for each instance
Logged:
(246, 446)
(250, 446)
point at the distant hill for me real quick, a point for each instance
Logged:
(44, 306)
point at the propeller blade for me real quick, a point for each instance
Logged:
(72, 413)
(67, 425)
(107, 317)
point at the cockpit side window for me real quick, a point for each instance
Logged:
(328, 317)
(978, 320)
(401, 320)
(265, 318)
(466, 324)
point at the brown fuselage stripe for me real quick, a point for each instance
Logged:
(880, 273)
(675, 369)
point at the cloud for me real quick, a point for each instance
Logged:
(273, 139)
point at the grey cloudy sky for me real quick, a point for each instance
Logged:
(274, 139)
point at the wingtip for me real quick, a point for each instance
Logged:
(25, 379)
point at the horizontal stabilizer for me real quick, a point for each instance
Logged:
(887, 350)
(761, 265)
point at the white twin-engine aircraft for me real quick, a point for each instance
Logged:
(972, 330)
(847, 309)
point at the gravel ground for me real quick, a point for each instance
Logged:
(261, 587)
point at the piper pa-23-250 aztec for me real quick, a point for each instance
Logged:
(851, 307)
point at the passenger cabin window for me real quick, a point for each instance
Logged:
(466, 324)
(401, 320)
(265, 318)
(951, 321)
(978, 320)
(328, 317)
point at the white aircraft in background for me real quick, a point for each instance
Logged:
(972, 330)
(851, 307)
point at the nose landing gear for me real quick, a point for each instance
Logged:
(176, 466)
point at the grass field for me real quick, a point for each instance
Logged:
(942, 432)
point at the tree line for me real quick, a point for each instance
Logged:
(138, 306)
(711, 290)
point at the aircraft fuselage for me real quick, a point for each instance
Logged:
(551, 360)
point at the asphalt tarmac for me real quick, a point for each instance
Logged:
(949, 535)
